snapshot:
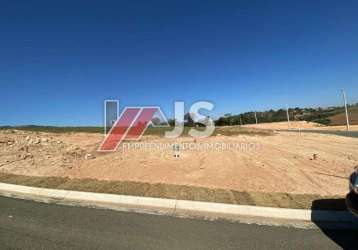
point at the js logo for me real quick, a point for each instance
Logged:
(133, 122)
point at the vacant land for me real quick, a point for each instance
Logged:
(298, 125)
(285, 125)
(246, 161)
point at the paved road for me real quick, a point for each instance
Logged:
(31, 225)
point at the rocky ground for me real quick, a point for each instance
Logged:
(36, 153)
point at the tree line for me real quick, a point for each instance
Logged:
(318, 115)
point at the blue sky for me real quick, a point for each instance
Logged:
(60, 60)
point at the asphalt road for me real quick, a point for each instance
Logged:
(32, 225)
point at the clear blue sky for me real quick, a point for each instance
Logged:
(60, 59)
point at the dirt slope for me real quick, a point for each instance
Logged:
(340, 119)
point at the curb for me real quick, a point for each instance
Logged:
(180, 208)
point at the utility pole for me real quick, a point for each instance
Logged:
(255, 117)
(288, 119)
(345, 106)
(240, 121)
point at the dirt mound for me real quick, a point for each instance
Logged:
(37, 153)
(340, 119)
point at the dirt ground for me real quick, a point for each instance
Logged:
(285, 126)
(341, 118)
(283, 162)
(340, 128)
(299, 125)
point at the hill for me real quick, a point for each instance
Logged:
(331, 116)
(340, 119)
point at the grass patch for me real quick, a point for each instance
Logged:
(181, 192)
(55, 129)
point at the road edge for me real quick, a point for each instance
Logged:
(179, 208)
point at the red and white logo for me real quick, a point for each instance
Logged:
(131, 125)
(133, 122)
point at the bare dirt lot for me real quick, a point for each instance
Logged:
(285, 125)
(281, 162)
(299, 125)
